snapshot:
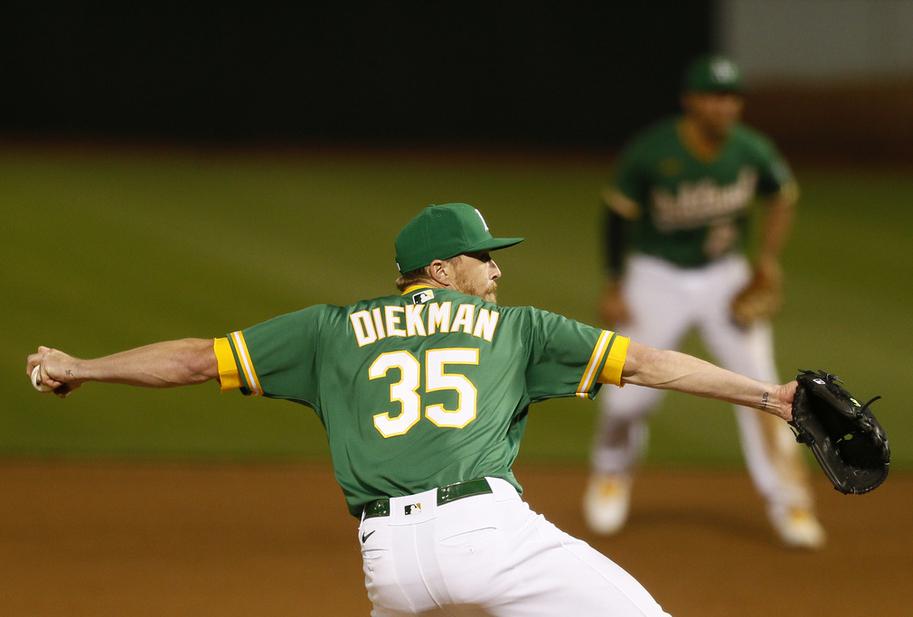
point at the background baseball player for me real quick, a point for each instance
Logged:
(679, 211)
(424, 397)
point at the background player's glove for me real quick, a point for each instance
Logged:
(760, 299)
(849, 443)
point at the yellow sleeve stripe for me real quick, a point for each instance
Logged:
(229, 379)
(790, 191)
(589, 373)
(615, 362)
(246, 363)
(623, 205)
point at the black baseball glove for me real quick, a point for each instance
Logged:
(845, 437)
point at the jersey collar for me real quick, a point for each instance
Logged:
(419, 293)
(413, 288)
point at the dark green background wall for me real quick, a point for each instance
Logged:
(529, 72)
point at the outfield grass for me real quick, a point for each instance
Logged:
(107, 250)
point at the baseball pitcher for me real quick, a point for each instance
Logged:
(425, 396)
(677, 223)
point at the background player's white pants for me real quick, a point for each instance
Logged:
(489, 555)
(665, 302)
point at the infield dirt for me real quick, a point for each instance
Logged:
(115, 539)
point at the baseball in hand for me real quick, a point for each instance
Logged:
(36, 380)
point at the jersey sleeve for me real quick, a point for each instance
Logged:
(774, 174)
(571, 358)
(632, 180)
(276, 358)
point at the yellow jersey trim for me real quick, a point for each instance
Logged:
(789, 191)
(229, 379)
(247, 364)
(408, 290)
(615, 362)
(592, 367)
(623, 205)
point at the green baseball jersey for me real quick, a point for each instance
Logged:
(691, 211)
(422, 389)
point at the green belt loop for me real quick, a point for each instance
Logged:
(445, 494)
(378, 507)
(458, 490)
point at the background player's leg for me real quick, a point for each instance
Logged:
(660, 317)
(773, 458)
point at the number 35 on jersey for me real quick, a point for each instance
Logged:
(436, 378)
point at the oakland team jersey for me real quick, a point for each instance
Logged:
(420, 390)
(691, 211)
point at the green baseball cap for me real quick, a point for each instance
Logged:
(444, 231)
(712, 74)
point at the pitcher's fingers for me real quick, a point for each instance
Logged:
(46, 379)
(31, 362)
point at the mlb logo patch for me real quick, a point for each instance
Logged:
(422, 296)
(413, 507)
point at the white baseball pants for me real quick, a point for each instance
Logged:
(488, 555)
(665, 301)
